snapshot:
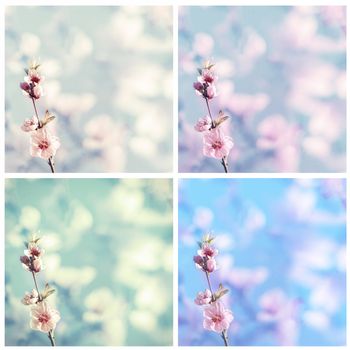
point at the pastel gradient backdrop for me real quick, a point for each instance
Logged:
(282, 81)
(108, 254)
(108, 73)
(273, 235)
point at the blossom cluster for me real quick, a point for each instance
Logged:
(42, 143)
(216, 316)
(43, 316)
(215, 143)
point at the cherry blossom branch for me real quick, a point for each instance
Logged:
(43, 317)
(36, 286)
(52, 338)
(216, 317)
(215, 143)
(36, 112)
(224, 332)
(43, 143)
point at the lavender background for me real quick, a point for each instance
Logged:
(272, 234)
(271, 61)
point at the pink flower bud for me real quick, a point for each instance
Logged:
(34, 76)
(25, 86)
(207, 76)
(25, 260)
(211, 92)
(198, 260)
(203, 124)
(34, 250)
(30, 298)
(210, 265)
(203, 298)
(208, 250)
(198, 86)
(30, 124)
(37, 92)
(36, 265)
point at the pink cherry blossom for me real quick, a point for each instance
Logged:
(198, 260)
(25, 87)
(216, 144)
(37, 265)
(207, 76)
(211, 92)
(30, 298)
(44, 317)
(210, 265)
(208, 250)
(34, 77)
(203, 124)
(216, 317)
(198, 86)
(43, 144)
(37, 92)
(32, 91)
(203, 298)
(34, 250)
(275, 132)
(31, 265)
(30, 124)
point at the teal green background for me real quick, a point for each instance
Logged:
(108, 254)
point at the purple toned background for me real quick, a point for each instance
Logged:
(282, 80)
(280, 241)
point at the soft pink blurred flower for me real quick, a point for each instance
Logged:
(208, 251)
(203, 44)
(216, 144)
(203, 298)
(276, 306)
(334, 15)
(244, 278)
(216, 317)
(43, 144)
(244, 105)
(44, 317)
(30, 298)
(30, 124)
(275, 132)
(203, 124)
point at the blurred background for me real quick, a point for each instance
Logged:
(282, 80)
(108, 254)
(282, 249)
(108, 79)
